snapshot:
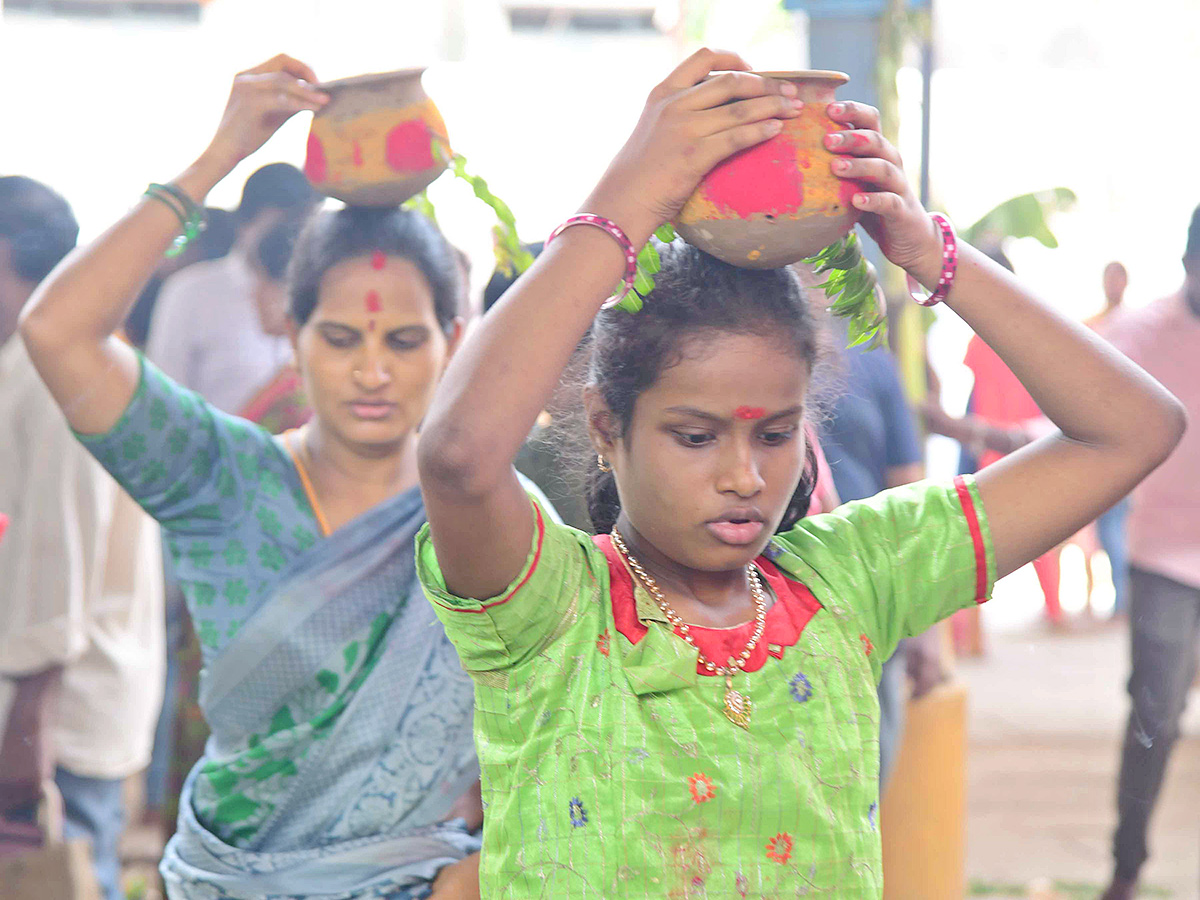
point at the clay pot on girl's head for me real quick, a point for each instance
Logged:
(379, 141)
(777, 202)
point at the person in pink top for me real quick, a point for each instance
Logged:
(1164, 555)
(999, 399)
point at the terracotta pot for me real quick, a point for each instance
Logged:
(373, 143)
(777, 202)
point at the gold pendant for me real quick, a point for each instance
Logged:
(737, 706)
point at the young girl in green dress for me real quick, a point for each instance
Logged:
(685, 706)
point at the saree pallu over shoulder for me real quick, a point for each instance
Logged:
(342, 733)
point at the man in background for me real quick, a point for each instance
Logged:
(1164, 574)
(205, 332)
(81, 616)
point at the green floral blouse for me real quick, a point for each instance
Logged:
(609, 768)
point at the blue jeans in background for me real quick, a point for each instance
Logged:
(1114, 538)
(95, 810)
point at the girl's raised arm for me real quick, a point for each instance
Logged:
(70, 322)
(1115, 423)
(501, 378)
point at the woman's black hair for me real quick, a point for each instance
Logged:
(695, 296)
(332, 237)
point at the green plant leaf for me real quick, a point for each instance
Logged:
(1026, 215)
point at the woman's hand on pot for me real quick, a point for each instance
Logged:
(261, 100)
(693, 120)
(892, 214)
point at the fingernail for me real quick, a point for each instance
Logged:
(836, 108)
(841, 164)
(834, 140)
(859, 200)
(797, 105)
(788, 89)
(775, 126)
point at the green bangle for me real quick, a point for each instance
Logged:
(190, 214)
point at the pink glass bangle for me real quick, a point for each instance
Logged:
(614, 230)
(949, 265)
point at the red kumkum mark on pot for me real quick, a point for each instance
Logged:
(314, 161)
(764, 178)
(358, 156)
(373, 303)
(749, 413)
(378, 260)
(408, 147)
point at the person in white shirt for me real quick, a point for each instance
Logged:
(205, 332)
(81, 618)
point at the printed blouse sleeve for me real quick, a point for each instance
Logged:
(902, 560)
(559, 575)
(189, 465)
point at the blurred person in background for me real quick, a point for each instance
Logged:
(215, 241)
(1164, 573)
(279, 404)
(1112, 527)
(999, 399)
(870, 440)
(207, 333)
(81, 619)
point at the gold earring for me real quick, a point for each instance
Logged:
(601, 464)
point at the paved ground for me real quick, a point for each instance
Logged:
(1046, 715)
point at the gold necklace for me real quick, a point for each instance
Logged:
(737, 704)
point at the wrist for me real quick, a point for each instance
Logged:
(635, 220)
(927, 268)
(204, 174)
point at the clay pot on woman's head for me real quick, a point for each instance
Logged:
(379, 141)
(777, 202)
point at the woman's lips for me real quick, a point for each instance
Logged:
(735, 533)
(372, 411)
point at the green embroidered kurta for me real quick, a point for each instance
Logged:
(609, 768)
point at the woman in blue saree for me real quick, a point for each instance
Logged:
(341, 763)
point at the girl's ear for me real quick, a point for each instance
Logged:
(601, 422)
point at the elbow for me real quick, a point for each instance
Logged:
(35, 327)
(1169, 429)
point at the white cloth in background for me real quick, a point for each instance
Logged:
(80, 583)
(206, 335)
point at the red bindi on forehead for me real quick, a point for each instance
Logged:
(373, 302)
(378, 260)
(749, 413)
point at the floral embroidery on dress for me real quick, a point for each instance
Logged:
(867, 645)
(802, 689)
(702, 787)
(577, 812)
(602, 642)
(779, 848)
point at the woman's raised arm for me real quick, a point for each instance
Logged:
(1115, 423)
(70, 322)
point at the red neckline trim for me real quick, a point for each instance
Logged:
(795, 605)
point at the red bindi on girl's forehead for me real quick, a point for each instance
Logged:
(378, 260)
(749, 412)
(372, 302)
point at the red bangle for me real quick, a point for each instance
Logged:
(612, 228)
(949, 265)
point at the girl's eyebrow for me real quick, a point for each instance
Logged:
(701, 414)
